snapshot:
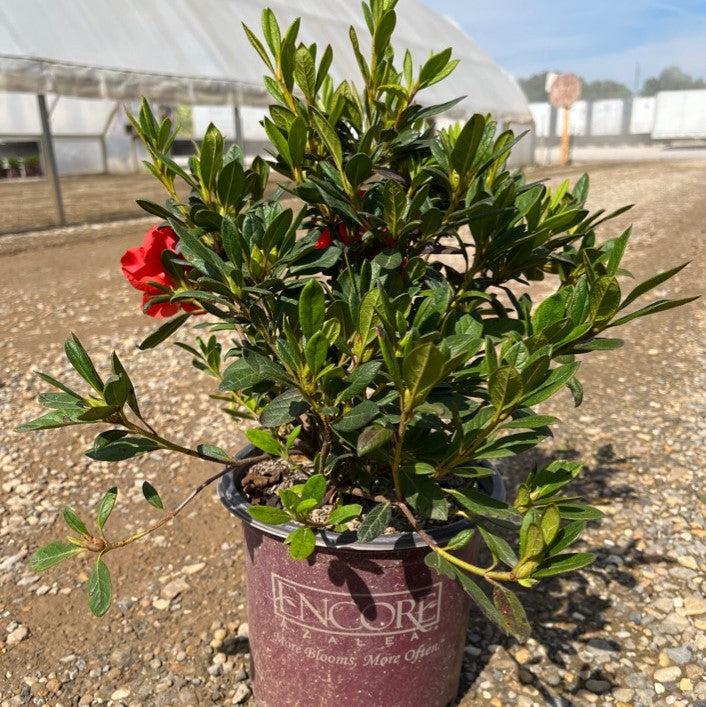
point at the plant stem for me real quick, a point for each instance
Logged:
(488, 573)
(169, 515)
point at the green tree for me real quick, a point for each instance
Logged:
(671, 79)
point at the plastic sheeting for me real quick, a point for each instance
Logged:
(542, 116)
(194, 51)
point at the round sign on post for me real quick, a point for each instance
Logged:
(565, 91)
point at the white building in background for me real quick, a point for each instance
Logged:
(680, 115)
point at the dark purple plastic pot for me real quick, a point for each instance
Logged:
(361, 624)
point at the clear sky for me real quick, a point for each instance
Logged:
(595, 38)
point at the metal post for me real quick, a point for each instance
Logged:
(50, 157)
(238, 129)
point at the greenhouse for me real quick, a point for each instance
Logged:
(65, 80)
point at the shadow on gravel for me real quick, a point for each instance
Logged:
(569, 612)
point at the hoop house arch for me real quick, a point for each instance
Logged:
(194, 52)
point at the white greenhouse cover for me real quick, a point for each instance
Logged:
(195, 51)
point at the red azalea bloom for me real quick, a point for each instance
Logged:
(142, 266)
(325, 240)
(343, 233)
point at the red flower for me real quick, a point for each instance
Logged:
(343, 233)
(325, 240)
(143, 266)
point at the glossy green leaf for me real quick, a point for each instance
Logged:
(52, 554)
(302, 543)
(72, 519)
(564, 563)
(81, 361)
(374, 523)
(269, 515)
(265, 441)
(99, 589)
(105, 507)
(151, 495)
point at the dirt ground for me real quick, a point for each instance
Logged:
(630, 630)
(28, 204)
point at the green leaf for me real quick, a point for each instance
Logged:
(269, 515)
(424, 495)
(99, 589)
(265, 441)
(52, 554)
(57, 384)
(305, 72)
(359, 380)
(358, 169)
(81, 361)
(514, 618)
(484, 506)
(550, 524)
(372, 438)
(164, 332)
(316, 350)
(110, 448)
(305, 507)
(151, 495)
(650, 284)
(375, 523)
(284, 408)
(270, 28)
(505, 386)
(558, 378)
(302, 542)
(579, 511)
(357, 417)
(615, 254)
(296, 141)
(74, 522)
(564, 563)
(231, 184)
(422, 369)
(52, 420)
(314, 488)
(311, 308)
(498, 546)
(446, 568)
(329, 136)
(343, 514)
(604, 299)
(211, 156)
(566, 536)
(461, 539)
(216, 452)
(530, 422)
(466, 147)
(105, 507)
(258, 47)
(661, 305)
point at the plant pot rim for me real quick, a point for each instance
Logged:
(235, 502)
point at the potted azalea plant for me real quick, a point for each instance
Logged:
(371, 321)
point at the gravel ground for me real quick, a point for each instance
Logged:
(630, 630)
